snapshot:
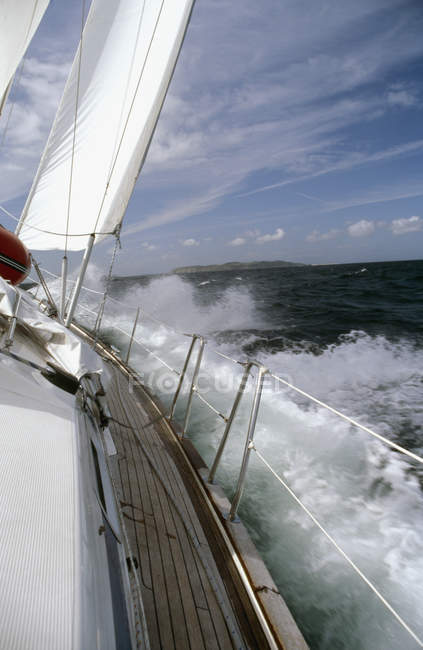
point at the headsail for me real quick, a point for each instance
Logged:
(105, 121)
(19, 20)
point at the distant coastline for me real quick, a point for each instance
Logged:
(235, 266)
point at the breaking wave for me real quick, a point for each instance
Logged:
(367, 495)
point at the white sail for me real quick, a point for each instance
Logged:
(105, 122)
(19, 20)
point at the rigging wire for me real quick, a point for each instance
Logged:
(369, 583)
(119, 302)
(350, 420)
(78, 86)
(51, 232)
(383, 439)
(125, 94)
(117, 150)
(132, 104)
(108, 280)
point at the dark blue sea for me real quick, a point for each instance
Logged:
(352, 336)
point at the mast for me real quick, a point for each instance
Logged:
(81, 276)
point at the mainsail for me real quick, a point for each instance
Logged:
(105, 122)
(19, 20)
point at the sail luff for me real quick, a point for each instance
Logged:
(130, 52)
(172, 66)
(46, 150)
(38, 173)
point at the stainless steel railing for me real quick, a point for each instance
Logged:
(194, 358)
(198, 343)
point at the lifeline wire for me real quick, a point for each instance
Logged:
(388, 442)
(295, 497)
(119, 302)
(339, 549)
(350, 420)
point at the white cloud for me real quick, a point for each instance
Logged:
(278, 234)
(178, 210)
(252, 233)
(282, 109)
(403, 226)
(382, 194)
(238, 241)
(306, 102)
(149, 247)
(343, 163)
(322, 236)
(190, 242)
(400, 96)
(362, 228)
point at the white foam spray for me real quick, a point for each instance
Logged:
(367, 496)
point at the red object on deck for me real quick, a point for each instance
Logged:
(15, 260)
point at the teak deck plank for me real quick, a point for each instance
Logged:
(227, 573)
(138, 494)
(181, 606)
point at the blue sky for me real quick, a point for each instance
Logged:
(292, 130)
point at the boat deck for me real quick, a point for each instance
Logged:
(186, 601)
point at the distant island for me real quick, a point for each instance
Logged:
(235, 266)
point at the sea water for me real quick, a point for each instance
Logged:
(350, 335)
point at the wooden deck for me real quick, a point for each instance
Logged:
(189, 601)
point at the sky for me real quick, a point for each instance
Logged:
(292, 130)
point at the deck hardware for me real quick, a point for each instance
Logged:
(61, 378)
(134, 327)
(78, 285)
(249, 444)
(13, 321)
(53, 373)
(195, 338)
(132, 562)
(53, 309)
(193, 388)
(181, 378)
(230, 419)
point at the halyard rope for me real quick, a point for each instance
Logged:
(78, 85)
